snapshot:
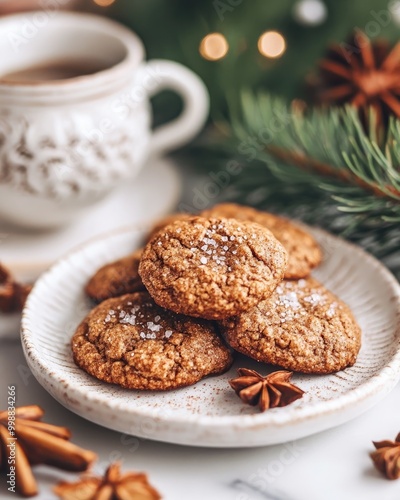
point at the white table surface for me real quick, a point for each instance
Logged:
(333, 465)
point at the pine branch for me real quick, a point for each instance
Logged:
(310, 165)
(329, 148)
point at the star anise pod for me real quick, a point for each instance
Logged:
(113, 486)
(363, 74)
(386, 457)
(26, 441)
(12, 294)
(267, 392)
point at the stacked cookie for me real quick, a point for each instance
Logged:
(231, 273)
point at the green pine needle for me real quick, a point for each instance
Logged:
(329, 148)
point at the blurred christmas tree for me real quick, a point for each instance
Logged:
(240, 54)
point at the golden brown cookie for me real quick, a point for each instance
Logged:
(116, 279)
(304, 252)
(212, 268)
(165, 221)
(132, 342)
(302, 327)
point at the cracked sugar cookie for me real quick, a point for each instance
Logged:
(132, 342)
(212, 268)
(116, 279)
(302, 327)
(304, 252)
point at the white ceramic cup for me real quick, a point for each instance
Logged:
(65, 144)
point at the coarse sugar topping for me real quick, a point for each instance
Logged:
(217, 245)
(295, 299)
(148, 323)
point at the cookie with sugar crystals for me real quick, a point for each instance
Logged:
(212, 268)
(302, 327)
(304, 252)
(116, 279)
(132, 342)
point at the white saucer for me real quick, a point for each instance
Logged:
(153, 193)
(209, 413)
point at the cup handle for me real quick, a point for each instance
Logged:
(157, 75)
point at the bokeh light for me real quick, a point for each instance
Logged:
(271, 44)
(394, 8)
(214, 46)
(104, 3)
(310, 12)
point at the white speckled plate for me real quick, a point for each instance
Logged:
(209, 413)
